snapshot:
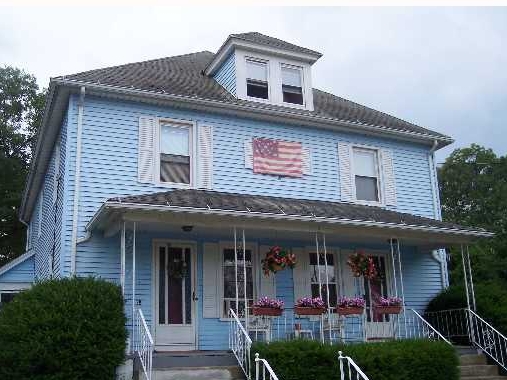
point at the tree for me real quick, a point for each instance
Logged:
(21, 109)
(473, 188)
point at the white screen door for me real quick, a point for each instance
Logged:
(175, 296)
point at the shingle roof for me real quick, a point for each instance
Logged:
(262, 39)
(215, 200)
(183, 76)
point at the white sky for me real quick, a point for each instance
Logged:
(443, 68)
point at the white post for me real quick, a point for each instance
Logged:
(471, 279)
(402, 287)
(236, 270)
(394, 268)
(244, 280)
(122, 259)
(340, 359)
(465, 275)
(320, 284)
(327, 286)
(133, 274)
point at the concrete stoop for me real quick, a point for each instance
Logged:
(474, 366)
(196, 373)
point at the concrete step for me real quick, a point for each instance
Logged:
(199, 373)
(483, 378)
(471, 359)
(466, 350)
(194, 359)
(478, 370)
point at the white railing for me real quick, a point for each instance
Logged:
(416, 327)
(143, 343)
(261, 367)
(350, 370)
(240, 343)
(466, 326)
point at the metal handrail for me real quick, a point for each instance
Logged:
(265, 366)
(351, 369)
(429, 328)
(143, 343)
(240, 343)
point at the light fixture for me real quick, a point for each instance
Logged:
(187, 228)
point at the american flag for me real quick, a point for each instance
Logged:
(277, 157)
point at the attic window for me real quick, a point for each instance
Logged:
(257, 79)
(292, 85)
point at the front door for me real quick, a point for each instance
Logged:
(378, 326)
(175, 286)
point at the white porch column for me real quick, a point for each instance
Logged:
(122, 259)
(133, 274)
(398, 252)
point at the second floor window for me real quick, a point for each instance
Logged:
(175, 153)
(257, 79)
(292, 87)
(366, 174)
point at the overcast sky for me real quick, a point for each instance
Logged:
(442, 68)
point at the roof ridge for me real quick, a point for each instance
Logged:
(133, 63)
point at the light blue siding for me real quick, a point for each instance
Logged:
(23, 272)
(226, 74)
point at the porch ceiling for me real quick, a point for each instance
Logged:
(223, 210)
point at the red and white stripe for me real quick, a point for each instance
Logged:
(288, 160)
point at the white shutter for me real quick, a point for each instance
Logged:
(205, 161)
(210, 280)
(347, 281)
(267, 285)
(345, 165)
(301, 274)
(146, 149)
(388, 177)
(248, 154)
(307, 161)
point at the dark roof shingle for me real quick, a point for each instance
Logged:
(262, 39)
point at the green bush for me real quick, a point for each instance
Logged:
(408, 359)
(491, 299)
(63, 329)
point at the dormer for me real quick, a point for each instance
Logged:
(255, 67)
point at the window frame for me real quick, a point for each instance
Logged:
(255, 268)
(192, 126)
(301, 76)
(268, 77)
(337, 276)
(378, 169)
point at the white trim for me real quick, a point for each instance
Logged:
(14, 287)
(380, 179)
(304, 88)
(18, 260)
(56, 172)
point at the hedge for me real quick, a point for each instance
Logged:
(63, 329)
(400, 360)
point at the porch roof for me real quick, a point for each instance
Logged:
(231, 205)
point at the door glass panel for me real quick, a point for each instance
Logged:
(374, 289)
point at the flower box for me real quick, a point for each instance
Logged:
(302, 310)
(267, 311)
(392, 309)
(349, 310)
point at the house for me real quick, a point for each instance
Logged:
(174, 177)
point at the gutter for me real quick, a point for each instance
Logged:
(77, 181)
(310, 218)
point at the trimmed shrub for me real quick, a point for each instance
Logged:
(404, 359)
(63, 329)
(491, 299)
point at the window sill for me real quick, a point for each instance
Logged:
(369, 203)
(174, 185)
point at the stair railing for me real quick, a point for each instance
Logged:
(240, 343)
(143, 343)
(418, 327)
(350, 370)
(261, 367)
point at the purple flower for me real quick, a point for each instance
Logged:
(390, 301)
(269, 302)
(351, 302)
(310, 302)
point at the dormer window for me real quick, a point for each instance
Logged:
(292, 87)
(257, 79)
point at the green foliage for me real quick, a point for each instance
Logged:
(63, 329)
(409, 359)
(21, 107)
(491, 299)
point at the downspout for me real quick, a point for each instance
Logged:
(437, 254)
(77, 181)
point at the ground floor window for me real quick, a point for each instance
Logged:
(6, 297)
(229, 280)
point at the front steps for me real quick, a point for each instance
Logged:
(195, 365)
(474, 366)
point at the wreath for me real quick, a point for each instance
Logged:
(177, 268)
(277, 259)
(362, 265)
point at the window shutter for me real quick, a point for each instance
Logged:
(345, 165)
(210, 280)
(348, 286)
(388, 177)
(267, 283)
(307, 161)
(301, 274)
(205, 161)
(146, 149)
(248, 154)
